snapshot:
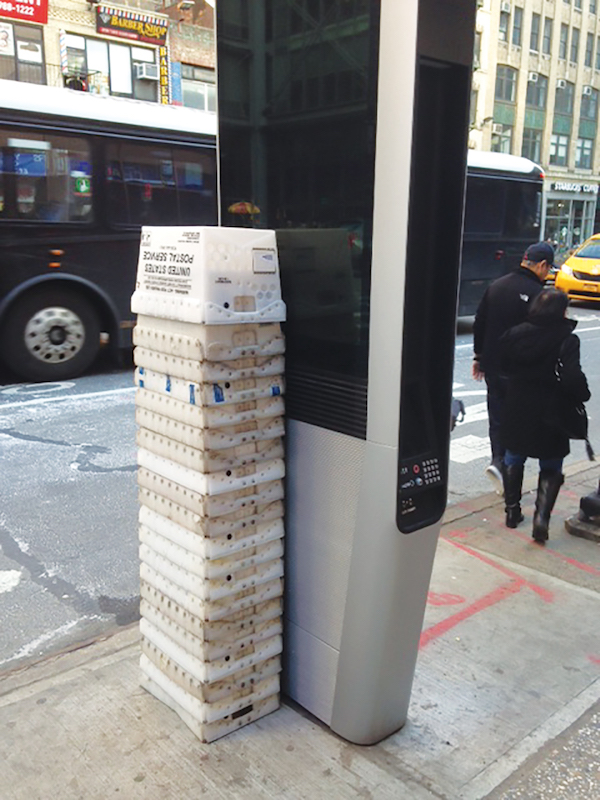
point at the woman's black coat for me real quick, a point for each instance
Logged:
(529, 355)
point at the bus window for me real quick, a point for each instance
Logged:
(45, 178)
(141, 184)
(523, 209)
(196, 188)
(485, 206)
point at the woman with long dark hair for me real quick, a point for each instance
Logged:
(531, 425)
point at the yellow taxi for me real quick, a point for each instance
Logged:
(579, 276)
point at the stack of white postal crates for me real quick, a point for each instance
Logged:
(209, 408)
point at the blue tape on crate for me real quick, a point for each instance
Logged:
(218, 393)
(168, 386)
(275, 391)
(192, 394)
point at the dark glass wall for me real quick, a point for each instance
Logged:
(297, 103)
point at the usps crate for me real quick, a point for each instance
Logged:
(243, 500)
(208, 275)
(209, 342)
(230, 436)
(193, 712)
(208, 371)
(208, 543)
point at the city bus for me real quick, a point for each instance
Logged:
(79, 175)
(502, 216)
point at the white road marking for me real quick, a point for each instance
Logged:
(9, 579)
(77, 397)
(469, 448)
(471, 393)
(37, 388)
(457, 385)
(475, 413)
(31, 647)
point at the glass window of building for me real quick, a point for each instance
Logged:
(198, 87)
(506, 83)
(502, 139)
(559, 149)
(110, 68)
(537, 92)
(598, 52)
(589, 103)
(534, 38)
(592, 6)
(589, 50)
(517, 30)
(473, 108)
(574, 55)
(577, 4)
(22, 53)
(547, 37)
(584, 153)
(477, 50)
(532, 144)
(564, 40)
(504, 26)
(565, 94)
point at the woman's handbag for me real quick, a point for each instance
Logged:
(571, 415)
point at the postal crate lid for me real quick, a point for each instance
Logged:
(208, 275)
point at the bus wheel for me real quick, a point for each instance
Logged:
(51, 335)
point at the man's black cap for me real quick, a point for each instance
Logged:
(540, 251)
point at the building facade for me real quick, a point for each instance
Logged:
(141, 49)
(536, 89)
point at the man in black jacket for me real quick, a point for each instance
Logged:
(504, 305)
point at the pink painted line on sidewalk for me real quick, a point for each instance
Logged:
(484, 602)
(567, 559)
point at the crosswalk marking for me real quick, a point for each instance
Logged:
(469, 448)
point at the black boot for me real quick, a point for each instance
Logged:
(549, 484)
(513, 481)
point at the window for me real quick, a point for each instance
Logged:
(534, 39)
(473, 108)
(537, 93)
(559, 149)
(22, 53)
(547, 38)
(153, 184)
(577, 4)
(574, 45)
(503, 26)
(532, 144)
(563, 103)
(589, 104)
(592, 6)
(111, 68)
(584, 153)
(45, 177)
(502, 141)
(598, 52)
(564, 39)
(517, 31)
(589, 50)
(477, 50)
(198, 87)
(506, 83)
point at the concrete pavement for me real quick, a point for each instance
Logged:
(506, 699)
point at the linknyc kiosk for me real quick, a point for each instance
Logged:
(345, 124)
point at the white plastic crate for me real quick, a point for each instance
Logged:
(211, 569)
(209, 460)
(239, 684)
(212, 483)
(191, 712)
(207, 398)
(208, 275)
(237, 698)
(210, 651)
(208, 342)
(245, 501)
(210, 438)
(237, 625)
(208, 371)
(247, 535)
(209, 671)
(210, 610)
(215, 589)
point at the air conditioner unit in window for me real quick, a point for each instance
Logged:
(532, 77)
(497, 127)
(505, 7)
(561, 84)
(587, 91)
(146, 72)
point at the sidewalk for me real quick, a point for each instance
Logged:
(505, 704)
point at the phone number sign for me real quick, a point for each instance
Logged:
(29, 10)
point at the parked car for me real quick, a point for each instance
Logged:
(579, 276)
